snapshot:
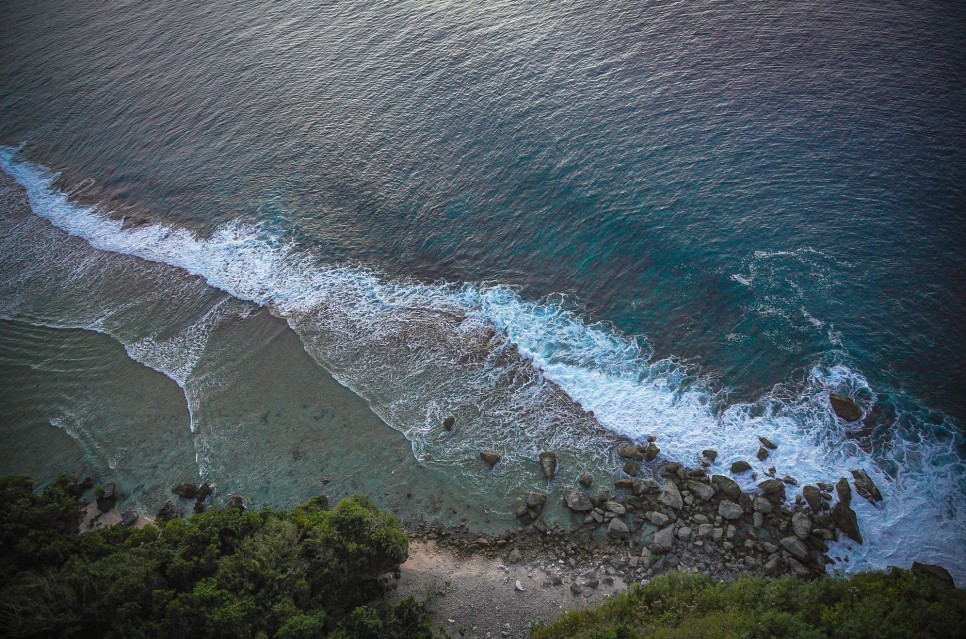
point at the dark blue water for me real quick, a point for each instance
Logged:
(757, 202)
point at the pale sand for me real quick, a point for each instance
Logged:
(478, 594)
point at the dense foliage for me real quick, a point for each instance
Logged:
(898, 604)
(311, 572)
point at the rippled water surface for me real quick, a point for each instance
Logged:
(561, 224)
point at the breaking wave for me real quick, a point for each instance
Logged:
(522, 376)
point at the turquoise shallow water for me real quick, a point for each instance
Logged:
(692, 219)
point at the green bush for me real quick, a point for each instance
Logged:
(896, 604)
(311, 572)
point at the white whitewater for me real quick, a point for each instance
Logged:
(419, 351)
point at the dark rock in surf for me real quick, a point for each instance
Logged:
(844, 491)
(740, 467)
(629, 451)
(844, 407)
(585, 480)
(205, 491)
(728, 487)
(767, 443)
(185, 490)
(846, 521)
(632, 468)
(490, 458)
(449, 422)
(651, 452)
(762, 453)
(548, 464)
(773, 490)
(865, 487)
(710, 455)
(813, 496)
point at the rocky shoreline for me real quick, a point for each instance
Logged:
(679, 519)
(659, 516)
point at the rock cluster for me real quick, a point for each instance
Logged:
(202, 494)
(530, 512)
(709, 523)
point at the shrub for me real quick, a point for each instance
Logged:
(310, 572)
(896, 604)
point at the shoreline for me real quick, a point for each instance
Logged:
(487, 586)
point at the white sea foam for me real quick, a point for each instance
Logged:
(421, 351)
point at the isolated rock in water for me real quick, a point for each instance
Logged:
(586, 480)
(865, 487)
(186, 490)
(651, 452)
(632, 468)
(629, 451)
(577, 501)
(773, 490)
(710, 455)
(728, 486)
(168, 512)
(129, 518)
(933, 570)
(490, 457)
(703, 491)
(762, 453)
(618, 529)
(663, 540)
(740, 467)
(844, 490)
(767, 443)
(814, 497)
(844, 407)
(671, 496)
(449, 422)
(846, 521)
(107, 497)
(548, 464)
(730, 510)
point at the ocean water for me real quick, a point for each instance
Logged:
(331, 225)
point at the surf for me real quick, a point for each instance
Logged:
(522, 376)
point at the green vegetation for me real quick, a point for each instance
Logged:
(898, 604)
(311, 572)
